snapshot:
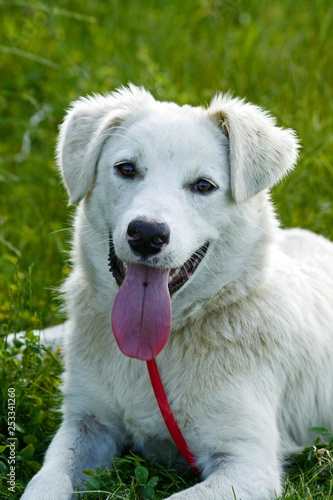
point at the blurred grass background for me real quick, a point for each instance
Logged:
(276, 54)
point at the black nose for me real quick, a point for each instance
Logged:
(147, 237)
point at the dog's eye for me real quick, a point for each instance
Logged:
(126, 169)
(203, 186)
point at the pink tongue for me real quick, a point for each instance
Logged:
(141, 314)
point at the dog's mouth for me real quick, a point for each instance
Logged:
(141, 314)
(177, 276)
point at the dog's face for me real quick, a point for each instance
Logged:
(177, 191)
(165, 179)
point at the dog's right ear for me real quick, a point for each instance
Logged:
(88, 123)
(260, 152)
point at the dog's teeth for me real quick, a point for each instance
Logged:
(173, 275)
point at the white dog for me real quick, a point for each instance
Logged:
(237, 311)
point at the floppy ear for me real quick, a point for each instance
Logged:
(86, 126)
(260, 153)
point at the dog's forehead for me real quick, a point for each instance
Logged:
(180, 128)
(171, 132)
(166, 139)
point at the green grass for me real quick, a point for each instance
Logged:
(277, 54)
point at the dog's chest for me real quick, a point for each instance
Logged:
(135, 397)
(140, 413)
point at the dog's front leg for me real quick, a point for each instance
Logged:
(252, 476)
(80, 443)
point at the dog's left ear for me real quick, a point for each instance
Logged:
(261, 153)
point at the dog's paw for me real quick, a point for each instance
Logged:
(50, 485)
(211, 491)
(195, 493)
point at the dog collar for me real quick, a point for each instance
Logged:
(168, 416)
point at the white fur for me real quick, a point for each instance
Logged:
(52, 337)
(248, 367)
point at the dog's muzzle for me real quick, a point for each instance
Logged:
(141, 314)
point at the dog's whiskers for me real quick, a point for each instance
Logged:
(61, 230)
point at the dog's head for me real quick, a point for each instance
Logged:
(179, 192)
